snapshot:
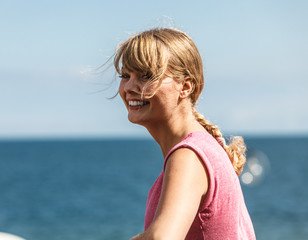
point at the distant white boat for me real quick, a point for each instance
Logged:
(8, 236)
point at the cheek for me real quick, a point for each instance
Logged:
(165, 100)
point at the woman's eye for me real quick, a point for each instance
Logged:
(124, 76)
(146, 76)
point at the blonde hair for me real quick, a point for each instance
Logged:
(164, 51)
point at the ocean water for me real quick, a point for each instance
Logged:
(97, 189)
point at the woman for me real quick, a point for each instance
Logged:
(198, 194)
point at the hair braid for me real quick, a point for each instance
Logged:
(212, 129)
(236, 148)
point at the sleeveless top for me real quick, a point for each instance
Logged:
(223, 214)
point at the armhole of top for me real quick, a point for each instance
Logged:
(210, 174)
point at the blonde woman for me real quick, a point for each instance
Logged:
(198, 194)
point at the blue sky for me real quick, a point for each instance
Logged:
(255, 53)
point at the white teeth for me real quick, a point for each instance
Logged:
(136, 103)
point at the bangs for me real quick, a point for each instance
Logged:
(142, 54)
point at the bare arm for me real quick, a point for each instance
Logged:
(185, 185)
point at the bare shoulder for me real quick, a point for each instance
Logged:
(184, 158)
(184, 153)
(185, 167)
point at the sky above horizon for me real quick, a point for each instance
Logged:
(255, 54)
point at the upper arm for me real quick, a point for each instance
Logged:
(185, 184)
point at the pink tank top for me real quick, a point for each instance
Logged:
(223, 214)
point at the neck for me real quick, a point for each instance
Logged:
(168, 133)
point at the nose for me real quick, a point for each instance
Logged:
(131, 85)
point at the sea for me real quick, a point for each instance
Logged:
(94, 189)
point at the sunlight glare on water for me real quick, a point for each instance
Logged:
(255, 169)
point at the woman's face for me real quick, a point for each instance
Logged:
(148, 111)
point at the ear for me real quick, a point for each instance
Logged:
(187, 88)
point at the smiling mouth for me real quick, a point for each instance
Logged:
(137, 103)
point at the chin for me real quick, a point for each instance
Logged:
(136, 121)
(133, 120)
